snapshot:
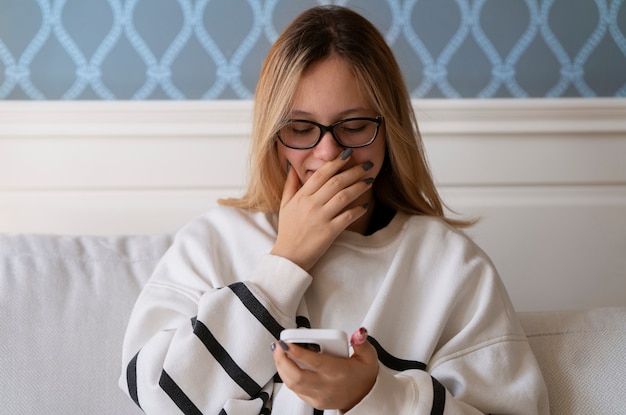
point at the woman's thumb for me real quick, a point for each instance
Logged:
(361, 347)
(359, 337)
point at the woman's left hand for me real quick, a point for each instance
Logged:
(329, 382)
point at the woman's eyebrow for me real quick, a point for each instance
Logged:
(342, 114)
(297, 113)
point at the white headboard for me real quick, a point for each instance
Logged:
(548, 177)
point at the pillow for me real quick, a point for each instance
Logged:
(65, 302)
(582, 355)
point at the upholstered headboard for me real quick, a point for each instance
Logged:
(547, 177)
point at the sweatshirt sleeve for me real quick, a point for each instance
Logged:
(198, 338)
(474, 357)
(471, 385)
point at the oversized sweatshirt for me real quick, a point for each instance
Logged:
(447, 337)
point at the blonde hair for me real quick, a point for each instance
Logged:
(405, 182)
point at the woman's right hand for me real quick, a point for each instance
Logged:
(313, 214)
(331, 382)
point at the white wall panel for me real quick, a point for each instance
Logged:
(547, 177)
(555, 247)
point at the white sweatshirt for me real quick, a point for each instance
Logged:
(448, 339)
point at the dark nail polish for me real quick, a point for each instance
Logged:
(273, 346)
(366, 205)
(283, 345)
(367, 165)
(369, 180)
(346, 154)
(288, 166)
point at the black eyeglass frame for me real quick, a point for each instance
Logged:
(330, 128)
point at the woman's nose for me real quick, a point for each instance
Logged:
(328, 148)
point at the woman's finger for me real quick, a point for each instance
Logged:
(292, 184)
(322, 175)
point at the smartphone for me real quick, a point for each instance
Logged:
(329, 341)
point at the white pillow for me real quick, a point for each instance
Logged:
(65, 302)
(582, 355)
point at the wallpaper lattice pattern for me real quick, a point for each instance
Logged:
(213, 49)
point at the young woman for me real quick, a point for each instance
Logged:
(341, 227)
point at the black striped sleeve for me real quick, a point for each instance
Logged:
(393, 362)
(256, 308)
(439, 398)
(177, 395)
(224, 359)
(131, 379)
(264, 397)
(276, 378)
(302, 321)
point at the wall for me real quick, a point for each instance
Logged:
(547, 177)
(200, 49)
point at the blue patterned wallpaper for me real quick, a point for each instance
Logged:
(213, 49)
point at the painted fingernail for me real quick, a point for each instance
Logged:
(366, 205)
(288, 166)
(367, 165)
(346, 153)
(369, 180)
(283, 345)
(359, 337)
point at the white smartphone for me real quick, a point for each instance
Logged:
(329, 341)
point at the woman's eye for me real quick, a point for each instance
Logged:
(301, 131)
(299, 128)
(353, 128)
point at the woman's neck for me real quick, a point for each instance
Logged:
(362, 224)
(377, 217)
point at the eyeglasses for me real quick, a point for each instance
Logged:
(348, 133)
